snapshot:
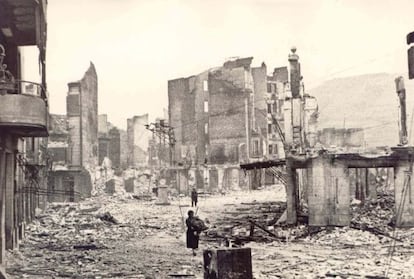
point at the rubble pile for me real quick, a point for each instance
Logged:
(68, 239)
(378, 213)
(345, 237)
(247, 221)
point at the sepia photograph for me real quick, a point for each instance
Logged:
(206, 139)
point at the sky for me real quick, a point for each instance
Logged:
(138, 45)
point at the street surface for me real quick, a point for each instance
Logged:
(122, 237)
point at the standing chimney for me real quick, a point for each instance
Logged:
(295, 75)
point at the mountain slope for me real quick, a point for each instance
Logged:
(366, 101)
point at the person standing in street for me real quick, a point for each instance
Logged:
(192, 233)
(194, 197)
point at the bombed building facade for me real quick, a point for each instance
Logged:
(74, 141)
(226, 116)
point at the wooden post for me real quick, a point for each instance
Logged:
(357, 185)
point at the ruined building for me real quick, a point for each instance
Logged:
(223, 117)
(321, 183)
(23, 120)
(109, 139)
(74, 141)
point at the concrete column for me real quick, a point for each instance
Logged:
(328, 193)
(291, 190)
(317, 194)
(340, 195)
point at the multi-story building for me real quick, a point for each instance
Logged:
(230, 115)
(74, 142)
(23, 119)
(214, 119)
(276, 87)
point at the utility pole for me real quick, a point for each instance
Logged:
(163, 131)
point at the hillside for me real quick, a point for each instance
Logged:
(366, 101)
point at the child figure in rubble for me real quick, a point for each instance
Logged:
(192, 233)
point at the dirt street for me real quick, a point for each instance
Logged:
(113, 237)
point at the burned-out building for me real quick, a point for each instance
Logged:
(321, 183)
(232, 115)
(138, 138)
(23, 119)
(74, 141)
(221, 119)
(109, 142)
(82, 113)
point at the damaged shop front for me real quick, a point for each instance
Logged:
(322, 187)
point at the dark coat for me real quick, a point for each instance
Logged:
(192, 235)
(194, 195)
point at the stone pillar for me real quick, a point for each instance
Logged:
(317, 194)
(328, 193)
(291, 192)
(339, 195)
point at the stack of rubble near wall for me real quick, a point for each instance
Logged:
(246, 222)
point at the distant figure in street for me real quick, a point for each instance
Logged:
(192, 233)
(194, 197)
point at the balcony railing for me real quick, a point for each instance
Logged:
(24, 109)
(23, 87)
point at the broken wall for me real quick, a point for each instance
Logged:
(89, 118)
